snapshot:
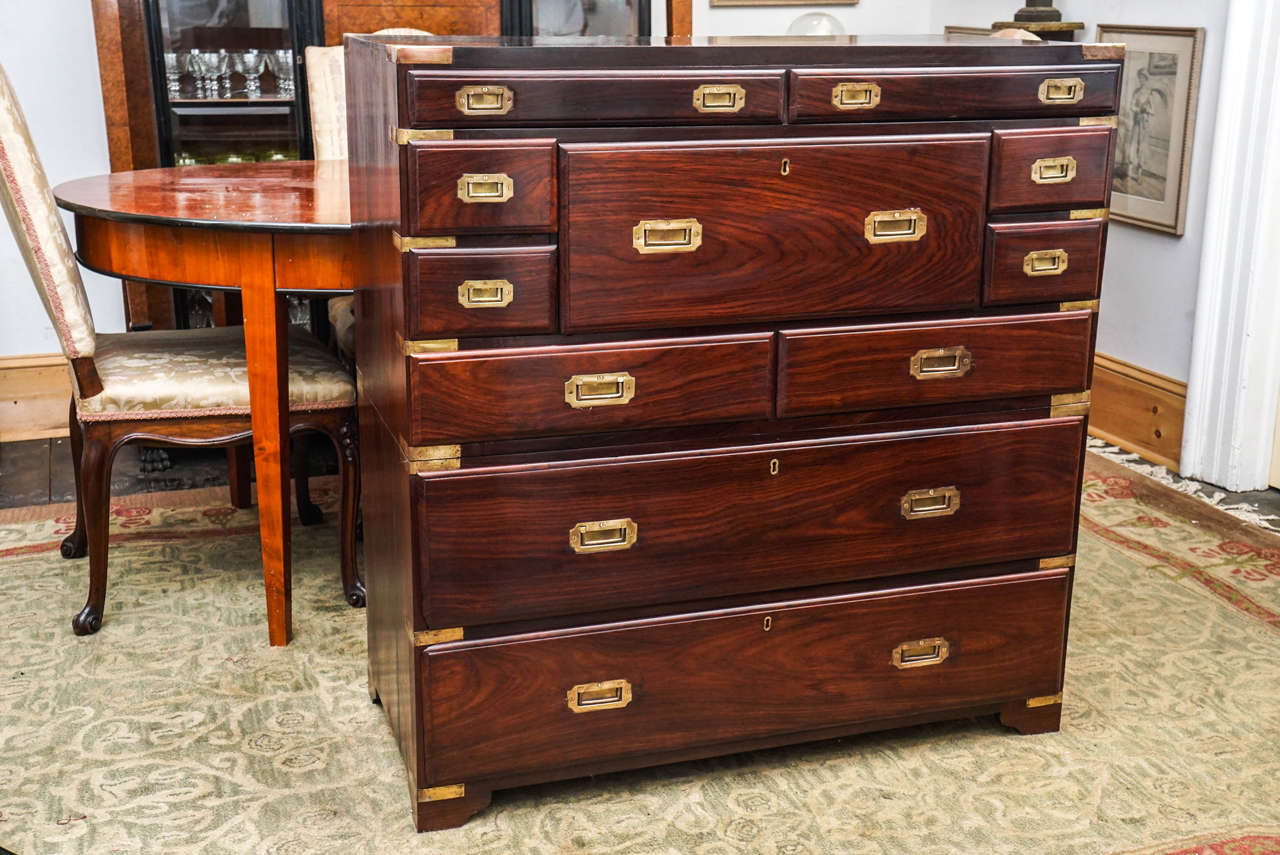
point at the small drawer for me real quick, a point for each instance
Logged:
(1041, 262)
(1051, 169)
(560, 98)
(896, 365)
(871, 95)
(514, 704)
(456, 187)
(501, 394)
(564, 538)
(482, 291)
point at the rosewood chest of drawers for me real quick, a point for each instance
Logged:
(718, 396)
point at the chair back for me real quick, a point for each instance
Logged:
(33, 217)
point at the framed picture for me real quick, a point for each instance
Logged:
(952, 30)
(1158, 99)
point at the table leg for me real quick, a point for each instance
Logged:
(266, 319)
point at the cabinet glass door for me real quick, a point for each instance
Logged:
(589, 17)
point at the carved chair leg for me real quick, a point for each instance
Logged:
(76, 545)
(238, 458)
(348, 446)
(95, 496)
(308, 513)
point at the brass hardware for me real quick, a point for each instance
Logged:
(1046, 262)
(1070, 404)
(404, 136)
(430, 458)
(484, 100)
(435, 55)
(920, 653)
(855, 96)
(773, 466)
(1091, 214)
(599, 390)
(719, 98)
(486, 293)
(1054, 170)
(1077, 305)
(1103, 51)
(768, 622)
(666, 236)
(439, 794)
(406, 244)
(786, 166)
(933, 502)
(590, 697)
(428, 637)
(496, 187)
(1062, 90)
(1044, 701)
(1059, 562)
(941, 362)
(909, 224)
(437, 345)
(1100, 121)
(604, 535)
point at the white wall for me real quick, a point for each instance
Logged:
(867, 18)
(50, 54)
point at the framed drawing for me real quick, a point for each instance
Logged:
(1157, 123)
(952, 30)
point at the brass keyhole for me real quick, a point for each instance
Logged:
(773, 466)
(768, 623)
(786, 166)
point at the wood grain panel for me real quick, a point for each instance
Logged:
(498, 394)
(432, 278)
(318, 262)
(443, 17)
(498, 707)
(1138, 410)
(774, 245)
(432, 171)
(1015, 152)
(719, 523)
(171, 253)
(1008, 245)
(864, 368)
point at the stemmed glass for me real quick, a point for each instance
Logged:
(281, 64)
(250, 64)
(199, 63)
(220, 65)
(173, 72)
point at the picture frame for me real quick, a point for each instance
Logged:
(733, 3)
(1159, 96)
(955, 30)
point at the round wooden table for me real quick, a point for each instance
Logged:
(264, 229)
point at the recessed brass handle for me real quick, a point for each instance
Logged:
(940, 362)
(1054, 170)
(650, 236)
(910, 224)
(486, 293)
(604, 535)
(496, 187)
(1046, 262)
(484, 100)
(719, 98)
(1062, 90)
(933, 502)
(599, 390)
(922, 652)
(857, 95)
(590, 697)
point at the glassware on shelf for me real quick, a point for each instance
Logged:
(249, 63)
(281, 64)
(222, 68)
(173, 73)
(198, 64)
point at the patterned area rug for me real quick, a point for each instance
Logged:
(176, 729)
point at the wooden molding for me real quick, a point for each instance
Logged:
(34, 391)
(680, 18)
(1138, 410)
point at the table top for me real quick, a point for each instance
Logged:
(282, 196)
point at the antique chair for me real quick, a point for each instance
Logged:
(174, 387)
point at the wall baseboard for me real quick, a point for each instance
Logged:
(34, 394)
(1138, 410)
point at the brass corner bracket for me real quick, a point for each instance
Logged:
(1100, 122)
(430, 458)
(431, 345)
(420, 54)
(440, 794)
(1103, 50)
(1044, 701)
(1077, 305)
(428, 637)
(1091, 214)
(406, 244)
(1058, 562)
(404, 136)
(1072, 404)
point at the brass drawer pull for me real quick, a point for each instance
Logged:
(941, 362)
(1054, 170)
(918, 654)
(599, 390)
(484, 100)
(486, 188)
(486, 293)
(604, 535)
(589, 697)
(719, 98)
(1062, 90)
(896, 226)
(666, 236)
(855, 96)
(933, 502)
(1046, 262)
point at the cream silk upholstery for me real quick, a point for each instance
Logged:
(175, 373)
(33, 217)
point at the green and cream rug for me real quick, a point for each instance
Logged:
(177, 729)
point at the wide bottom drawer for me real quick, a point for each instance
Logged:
(509, 706)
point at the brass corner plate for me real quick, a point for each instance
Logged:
(921, 653)
(1058, 562)
(930, 502)
(1062, 90)
(1044, 701)
(1079, 305)
(439, 794)
(908, 224)
(428, 637)
(484, 100)
(591, 697)
(430, 458)
(1070, 404)
(435, 345)
(1054, 170)
(495, 188)
(719, 98)
(653, 236)
(603, 535)
(1046, 262)
(408, 244)
(855, 95)
(486, 293)
(941, 362)
(404, 136)
(599, 390)
(1091, 214)
(1100, 122)
(420, 54)
(1103, 50)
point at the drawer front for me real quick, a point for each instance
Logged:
(456, 187)
(501, 394)
(515, 704)
(557, 98)
(869, 95)
(481, 291)
(1050, 170)
(517, 543)
(659, 235)
(865, 368)
(1036, 262)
